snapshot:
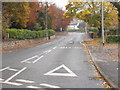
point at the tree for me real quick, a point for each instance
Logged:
(5, 21)
(90, 12)
(57, 19)
(34, 7)
(117, 5)
(18, 13)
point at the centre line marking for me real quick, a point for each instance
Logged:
(32, 87)
(47, 85)
(29, 59)
(4, 69)
(38, 59)
(25, 81)
(15, 75)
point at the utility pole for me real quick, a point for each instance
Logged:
(46, 19)
(103, 39)
(86, 27)
(46, 3)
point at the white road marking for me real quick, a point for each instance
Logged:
(47, 85)
(54, 47)
(27, 62)
(12, 69)
(1, 79)
(49, 51)
(25, 81)
(29, 58)
(70, 73)
(15, 74)
(38, 59)
(32, 87)
(4, 69)
(13, 83)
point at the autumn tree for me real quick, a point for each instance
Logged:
(57, 19)
(34, 7)
(90, 12)
(18, 13)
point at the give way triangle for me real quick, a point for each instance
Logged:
(52, 72)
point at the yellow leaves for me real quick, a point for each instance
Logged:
(109, 8)
(106, 85)
(67, 6)
(100, 78)
(76, 3)
(107, 4)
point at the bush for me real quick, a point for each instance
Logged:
(113, 39)
(93, 29)
(28, 34)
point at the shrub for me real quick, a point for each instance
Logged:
(93, 29)
(28, 34)
(113, 39)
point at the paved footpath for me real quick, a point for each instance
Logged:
(62, 63)
(106, 59)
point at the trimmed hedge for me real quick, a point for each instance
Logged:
(113, 39)
(28, 34)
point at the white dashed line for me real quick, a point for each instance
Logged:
(6, 81)
(49, 51)
(12, 69)
(37, 59)
(25, 81)
(32, 87)
(4, 69)
(13, 83)
(1, 79)
(47, 85)
(27, 62)
(29, 59)
(54, 47)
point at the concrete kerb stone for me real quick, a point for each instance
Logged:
(106, 77)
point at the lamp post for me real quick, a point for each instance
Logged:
(103, 40)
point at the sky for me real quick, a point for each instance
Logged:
(60, 3)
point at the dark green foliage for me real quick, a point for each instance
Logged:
(113, 39)
(28, 34)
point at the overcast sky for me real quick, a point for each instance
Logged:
(60, 3)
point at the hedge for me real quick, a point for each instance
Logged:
(28, 34)
(113, 39)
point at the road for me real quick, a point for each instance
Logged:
(61, 63)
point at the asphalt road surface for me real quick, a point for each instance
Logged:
(62, 63)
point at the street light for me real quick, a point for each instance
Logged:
(103, 40)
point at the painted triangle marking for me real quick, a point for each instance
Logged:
(70, 73)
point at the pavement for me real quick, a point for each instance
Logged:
(106, 60)
(61, 63)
